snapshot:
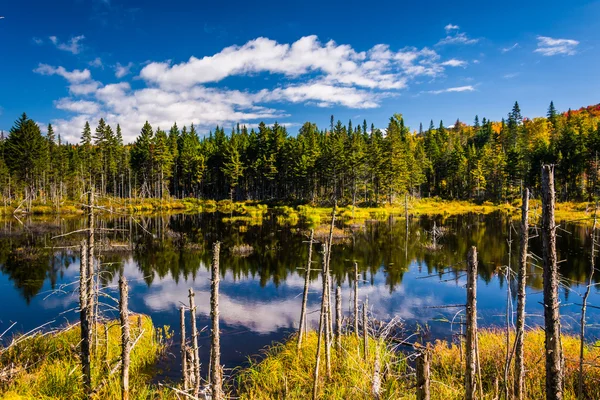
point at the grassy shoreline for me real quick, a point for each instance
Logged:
(251, 211)
(47, 367)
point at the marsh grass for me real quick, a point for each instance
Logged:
(47, 366)
(285, 373)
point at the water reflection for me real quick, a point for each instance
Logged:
(261, 294)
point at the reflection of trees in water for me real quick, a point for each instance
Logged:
(178, 245)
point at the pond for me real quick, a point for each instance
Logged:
(261, 292)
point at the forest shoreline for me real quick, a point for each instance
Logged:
(577, 212)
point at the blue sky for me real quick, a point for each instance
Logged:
(209, 63)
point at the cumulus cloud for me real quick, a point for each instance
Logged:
(548, 46)
(72, 46)
(315, 73)
(377, 68)
(79, 106)
(74, 76)
(468, 88)
(123, 70)
(37, 41)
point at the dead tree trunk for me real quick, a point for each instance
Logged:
(184, 370)
(376, 382)
(195, 354)
(554, 371)
(84, 320)
(216, 379)
(125, 339)
(366, 329)
(356, 299)
(90, 266)
(471, 373)
(584, 305)
(338, 318)
(321, 328)
(522, 280)
(328, 326)
(305, 293)
(423, 376)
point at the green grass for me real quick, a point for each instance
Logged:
(48, 366)
(286, 373)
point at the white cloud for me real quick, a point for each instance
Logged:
(454, 63)
(324, 95)
(449, 28)
(476, 61)
(459, 38)
(377, 68)
(511, 75)
(96, 62)
(511, 48)
(315, 74)
(123, 70)
(74, 76)
(72, 46)
(548, 46)
(84, 88)
(37, 41)
(468, 88)
(80, 106)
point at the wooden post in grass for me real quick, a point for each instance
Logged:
(184, 368)
(195, 353)
(366, 329)
(521, 283)
(554, 370)
(338, 317)
(305, 293)
(216, 379)
(125, 339)
(84, 320)
(423, 376)
(321, 328)
(471, 372)
(356, 300)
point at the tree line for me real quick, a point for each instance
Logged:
(358, 164)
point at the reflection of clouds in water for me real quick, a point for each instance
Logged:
(282, 308)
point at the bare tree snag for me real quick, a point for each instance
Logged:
(588, 288)
(305, 293)
(338, 317)
(84, 320)
(554, 370)
(321, 328)
(471, 372)
(195, 352)
(356, 299)
(125, 337)
(521, 285)
(216, 379)
(423, 376)
(184, 367)
(366, 329)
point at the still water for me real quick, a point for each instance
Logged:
(261, 293)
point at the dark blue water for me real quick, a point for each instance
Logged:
(261, 294)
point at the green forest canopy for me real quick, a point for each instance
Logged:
(487, 160)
